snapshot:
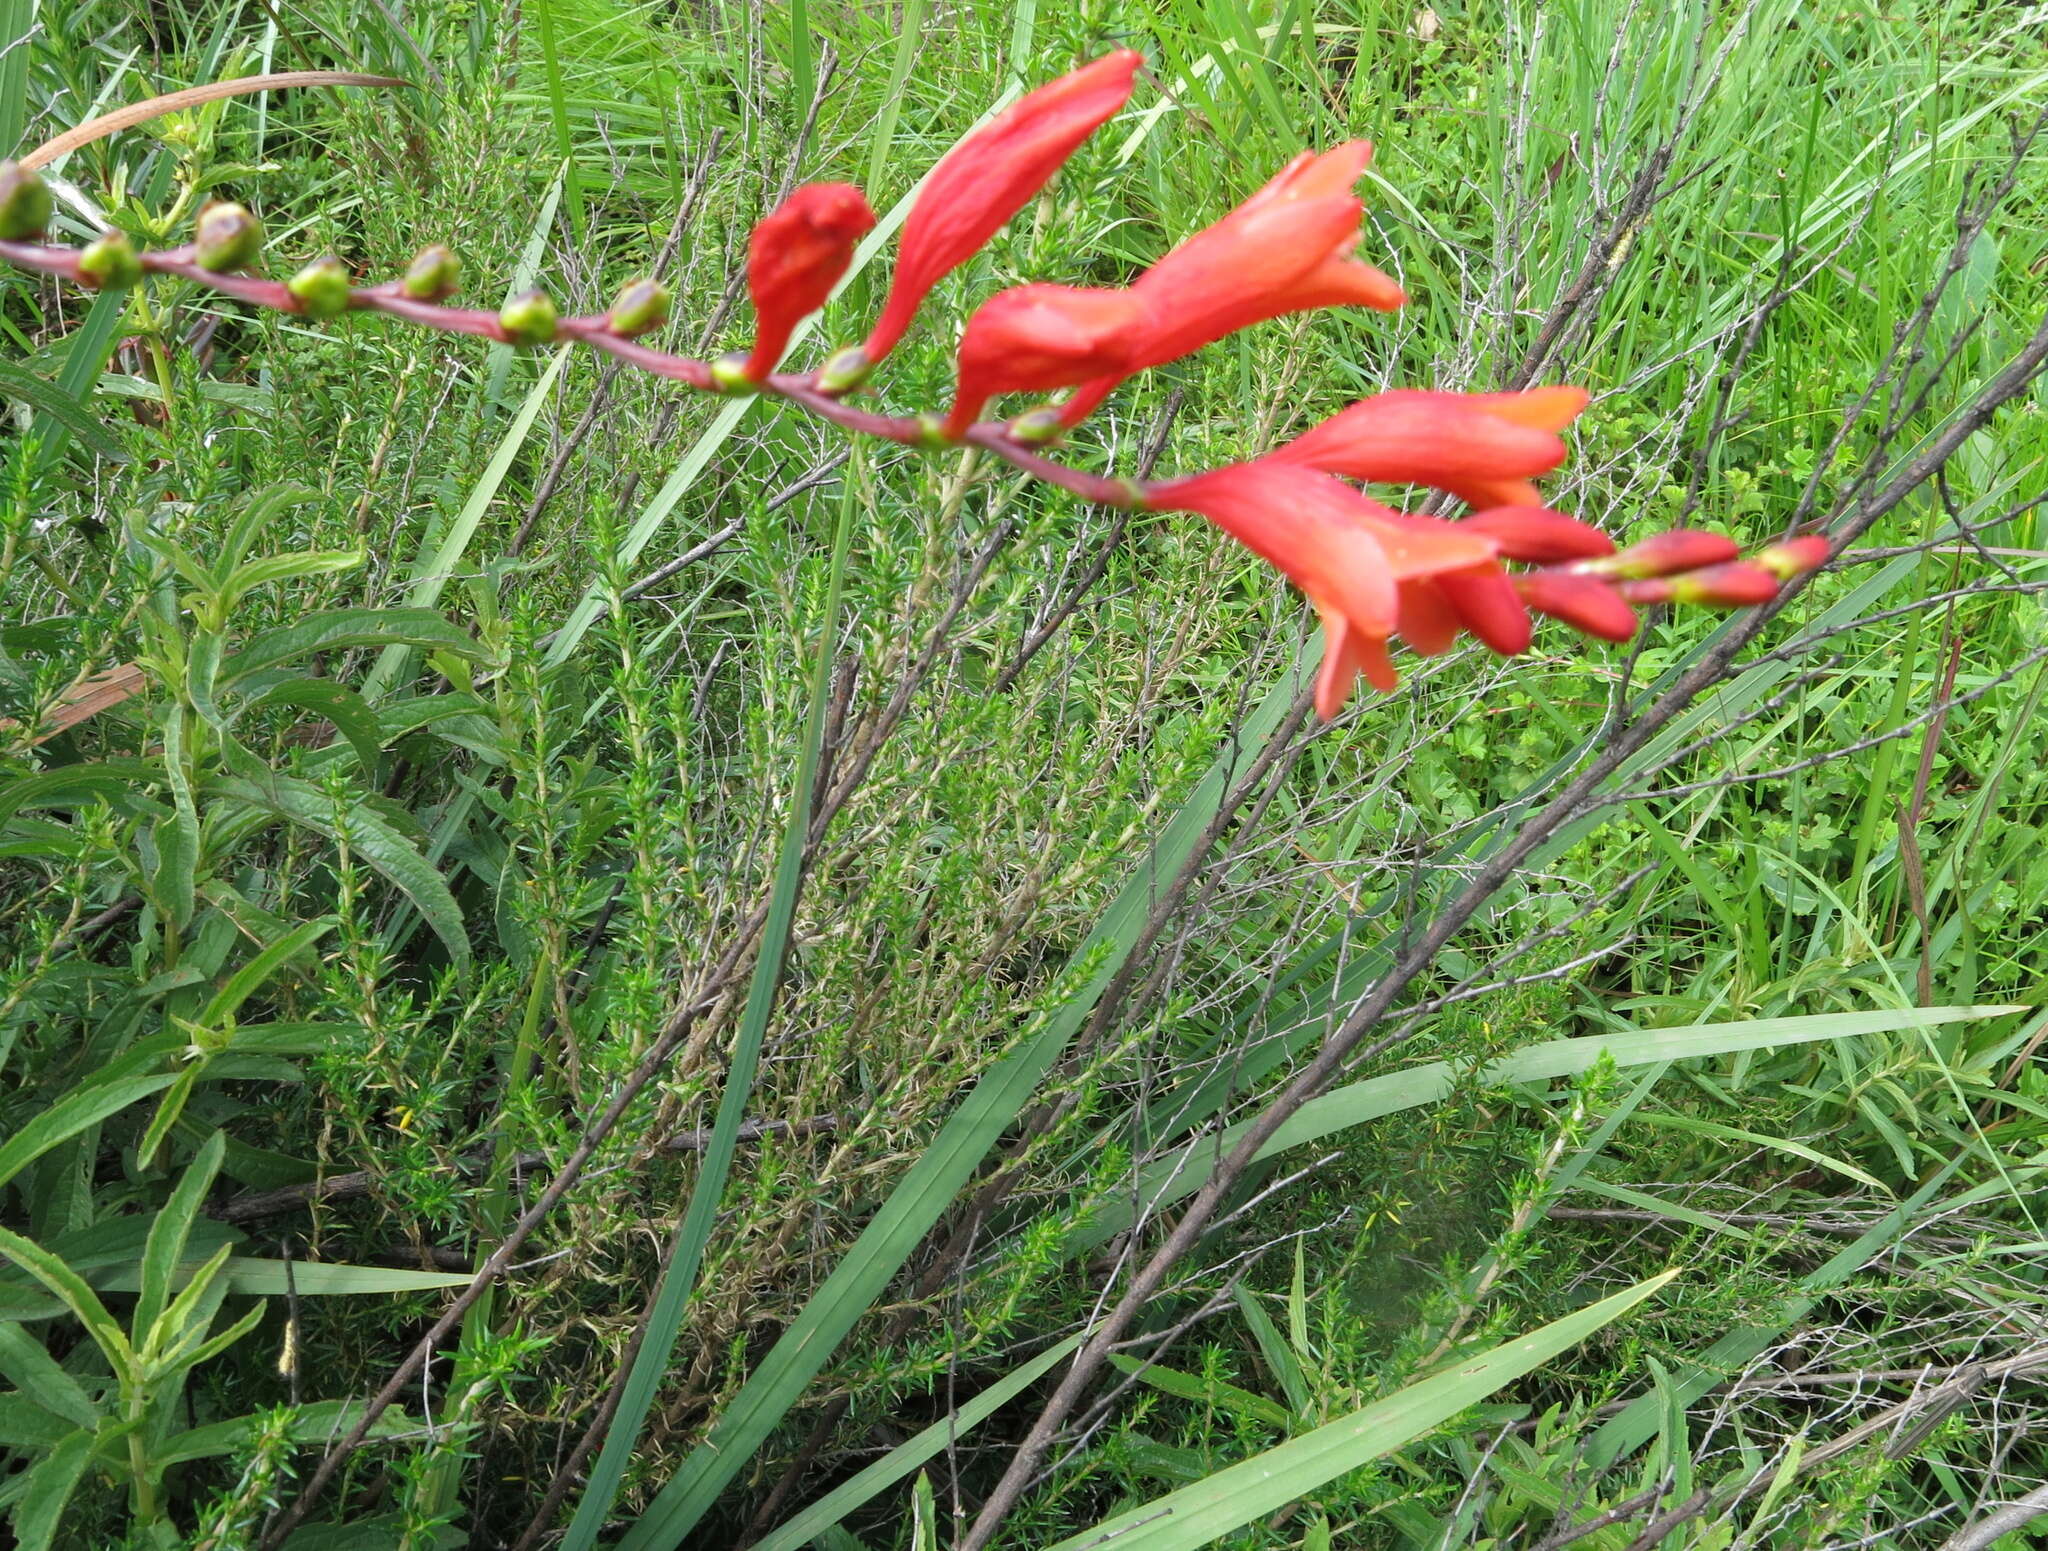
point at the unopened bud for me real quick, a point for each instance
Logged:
(322, 288)
(529, 318)
(1586, 603)
(24, 202)
(109, 263)
(435, 272)
(846, 370)
(1794, 557)
(1662, 554)
(931, 431)
(227, 238)
(729, 373)
(641, 306)
(1735, 585)
(1037, 427)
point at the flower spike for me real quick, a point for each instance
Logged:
(991, 175)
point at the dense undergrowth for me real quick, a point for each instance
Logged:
(422, 811)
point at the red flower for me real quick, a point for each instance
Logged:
(1482, 447)
(1354, 559)
(1285, 249)
(1538, 535)
(990, 176)
(1035, 337)
(795, 257)
(1586, 603)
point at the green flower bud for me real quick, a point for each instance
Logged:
(729, 373)
(641, 306)
(322, 288)
(931, 432)
(24, 202)
(226, 238)
(845, 371)
(1036, 428)
(434, 273)
(529, 318)
(109, 264)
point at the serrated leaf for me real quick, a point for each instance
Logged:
(82, 1107)
(47, 1490)
(330, 630)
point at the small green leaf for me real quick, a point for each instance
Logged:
(173, 1226)
(254, 975)
(30, 1368)
(68, 1285)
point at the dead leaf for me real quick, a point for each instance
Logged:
(171, 102)
(1427, 24)
(84, 700)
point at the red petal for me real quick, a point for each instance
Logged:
(1540, 536)
(1487, 603)
(1585, 603)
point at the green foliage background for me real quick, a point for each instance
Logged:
(476, 811)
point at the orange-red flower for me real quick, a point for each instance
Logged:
(990, 176)
(1035, 337)
(796, 255)
(1482, 447)
(1352, 558)
(1285, 249)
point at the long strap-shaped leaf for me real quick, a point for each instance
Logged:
(1213, 1507)
(948, 1163)
(679, 1280)
(1183, 1172)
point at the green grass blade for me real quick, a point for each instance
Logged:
(912, 1453)
(1200, 1514)
(945, 1166)
(431, 572)
(665, 1320)
(1183, 1171)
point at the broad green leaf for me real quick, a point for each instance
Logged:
(26, 1426)
(114, 782)
(321, 1422)
(47, 1492)
(1203, 1513)
(257, 510)
(27, 1365)
(371, 838)
(69, 1286)
(252, 574)
(250, 1276)
(170, 1231)
(246, 981)
(331, 630)
(349, 711)
(46, 398)
(79, 1108)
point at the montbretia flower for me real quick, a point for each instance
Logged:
(1481, 447)
(796, 255)
(1538, 535)
(1586, 603)
(1351, 557)
(1032, 338)
(1286, 249)
(990, 176)
(1665, 554)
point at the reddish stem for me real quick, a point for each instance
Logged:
(799, 389)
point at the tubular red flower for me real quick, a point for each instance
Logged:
(990, 176)
(1035, 337)
(795, 256)
(1539, 535)
(1794, 557)
(1453, 441)
(1586, 603)
(1663, 554)
(1351, 557)
(1285, 249)
(1733, 585)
